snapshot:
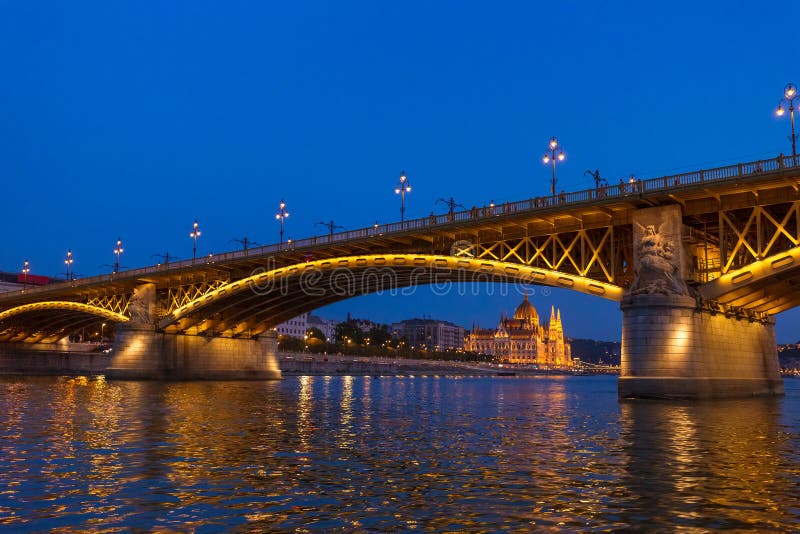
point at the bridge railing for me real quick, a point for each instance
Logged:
(604, 192)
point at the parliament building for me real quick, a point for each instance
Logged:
(522, 340)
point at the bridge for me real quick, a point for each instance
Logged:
(700, 263)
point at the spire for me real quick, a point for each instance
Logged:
(552, 316)
(557, 324)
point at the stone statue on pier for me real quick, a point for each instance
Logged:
(657, 267)
(141, 305)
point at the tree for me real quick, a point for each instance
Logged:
(348, 332)
(378, 335)
(291, 344)
(316, 345)
(315, 333)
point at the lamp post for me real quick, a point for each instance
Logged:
(789, 96)
(554, 153)
(194, 234)
(102, 332)
(25, 270)
(403, 187)
(281, 216)
(117, 251)
(68, 262)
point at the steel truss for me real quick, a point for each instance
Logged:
(117, 303)
(179, 296)
(603, 254)
(751, 234)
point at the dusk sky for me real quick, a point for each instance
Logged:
(133, 119)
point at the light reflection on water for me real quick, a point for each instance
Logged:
(362, 453)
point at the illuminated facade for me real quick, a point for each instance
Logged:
(522, 340)
(295, 327)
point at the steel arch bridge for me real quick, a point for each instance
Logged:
(741, 229)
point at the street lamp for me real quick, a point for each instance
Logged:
(68, 262)
(25, 270)
(118, 250)
(194, 234)
(789, 96)
(102, 332)
(403, 187)
(281, 216)
(554, 153)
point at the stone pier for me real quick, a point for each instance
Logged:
(671, 349)
(672, 346)
(140, 352)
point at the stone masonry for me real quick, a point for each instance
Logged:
(671, 346)
(670, 349)
(140, 352)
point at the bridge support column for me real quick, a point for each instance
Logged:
(670, 349)
(673, 348)
(140, 352)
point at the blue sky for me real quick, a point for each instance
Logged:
(131, 119)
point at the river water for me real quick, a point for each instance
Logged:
(391, 453)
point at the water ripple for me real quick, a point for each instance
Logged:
(391, 453)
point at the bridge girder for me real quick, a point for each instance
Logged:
(50, 320)
(746, 212)
(769, 285)
(271, 297)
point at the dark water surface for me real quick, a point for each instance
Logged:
(362, 453)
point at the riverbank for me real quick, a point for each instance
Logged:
(293, 364)
(89, 360)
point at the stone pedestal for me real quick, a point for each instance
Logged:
(140, 352)
(670, 349)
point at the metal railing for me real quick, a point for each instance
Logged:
(601, 193)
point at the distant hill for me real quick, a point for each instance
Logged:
(789, 358)
(593, 351)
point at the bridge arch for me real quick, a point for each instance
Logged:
(770, 285)
(50, 320)
(251, 305)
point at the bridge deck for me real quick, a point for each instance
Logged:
(599, 207)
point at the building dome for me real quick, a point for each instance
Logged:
(526, 311)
